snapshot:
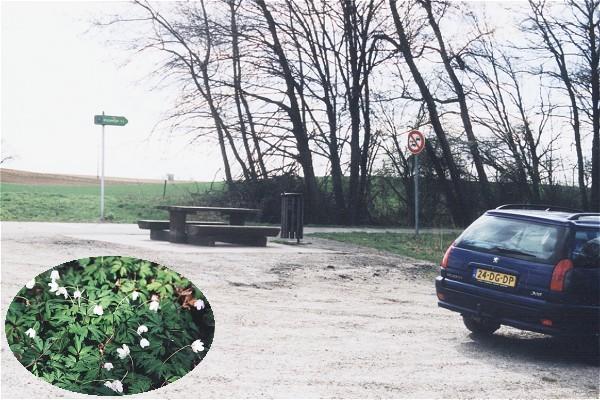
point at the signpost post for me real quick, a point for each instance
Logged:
(416, 144)
(106, 120)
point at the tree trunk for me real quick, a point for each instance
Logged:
(353, 94)
(594, 46)
(238, 90)
(366, 145)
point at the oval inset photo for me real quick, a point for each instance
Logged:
(109, 326)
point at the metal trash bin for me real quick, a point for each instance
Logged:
(292, 216)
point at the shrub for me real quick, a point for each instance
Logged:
(109, 325)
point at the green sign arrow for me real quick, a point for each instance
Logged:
(109, 120)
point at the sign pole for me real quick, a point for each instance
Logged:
(416, 172)
(106, 120)
(102, 177)
(416, 144)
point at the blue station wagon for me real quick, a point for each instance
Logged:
(535, 268)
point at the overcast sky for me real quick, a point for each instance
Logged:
(56, 75)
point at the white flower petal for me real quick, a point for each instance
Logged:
(144, 343)
(108, 366)
(30, 332)
(54, 275)
(135, 294)
(142, 329)
(154, 306)
(63, 291)
(199, 304)
(30, 284)
(53, 286)
(76, 294)
(197, 346)
(117, 386)
(123, 352)
(98, 310)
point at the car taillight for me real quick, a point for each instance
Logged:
(444, 263)
(557, 283)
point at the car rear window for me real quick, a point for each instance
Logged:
(524, 240)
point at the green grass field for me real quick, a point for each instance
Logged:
(426, 246)
(80, 203)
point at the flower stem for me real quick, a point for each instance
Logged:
(175, 353)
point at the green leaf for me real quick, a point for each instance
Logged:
(84, 261)
(137, 383)
(38, 343)
(154, 286)
(145, 269)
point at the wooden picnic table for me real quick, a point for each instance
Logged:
(178, 216)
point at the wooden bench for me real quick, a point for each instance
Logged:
(207, 235)
(178, 215)
(178, 230)
(159, 229)
(158, 224)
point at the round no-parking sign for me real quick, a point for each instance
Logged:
(416, 142)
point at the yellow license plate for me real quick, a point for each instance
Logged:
(495, 278)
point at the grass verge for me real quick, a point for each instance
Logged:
(426, 246)
(69, 203)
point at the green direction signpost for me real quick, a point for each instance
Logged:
(110, 120)
(106, 120)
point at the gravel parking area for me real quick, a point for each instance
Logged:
(316, 320)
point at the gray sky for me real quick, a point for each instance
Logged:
(56, 76)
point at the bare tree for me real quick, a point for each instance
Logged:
(244, 114)
(454, 194)
(558, 37)
(293, 109)
(450, 59)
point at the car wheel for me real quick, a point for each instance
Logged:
(480, 326)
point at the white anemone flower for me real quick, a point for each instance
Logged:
(115, 385)
(154, 297)
(54, 275)
(63, 291)
(123, 352)
(77, 294)
(98, 310)
(53, 286)
(30, 284)
(144, 343)
(197, 346)
(142, 329)
(30, 332)
(108, 366)
(154, 306)
(135, 294)
(199, 304)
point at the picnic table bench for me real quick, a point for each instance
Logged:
(178, 230)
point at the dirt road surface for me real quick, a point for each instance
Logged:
(318, 320)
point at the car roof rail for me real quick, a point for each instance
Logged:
(575, 217)
(543, 207)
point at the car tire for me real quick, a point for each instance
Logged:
(480, 326)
